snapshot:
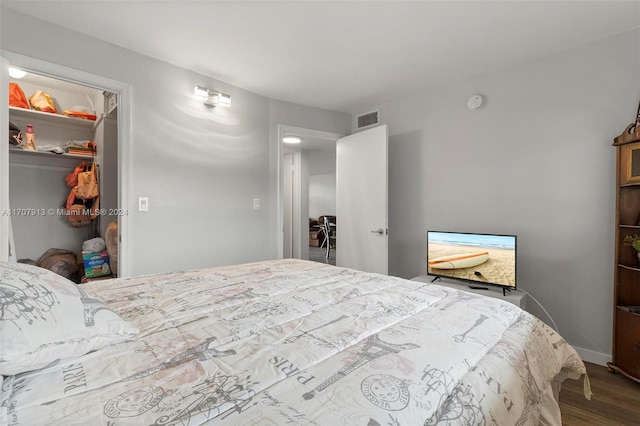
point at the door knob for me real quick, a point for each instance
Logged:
(378, 231)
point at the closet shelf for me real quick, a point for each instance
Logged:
(29, 114)
(41, 158)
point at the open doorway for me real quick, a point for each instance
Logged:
(307, 191)
(322, 204)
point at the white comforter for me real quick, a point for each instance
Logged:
(296, 342)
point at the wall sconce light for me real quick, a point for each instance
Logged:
(212, 97)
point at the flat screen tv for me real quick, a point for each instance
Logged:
(481, 260)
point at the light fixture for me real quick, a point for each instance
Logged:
(16, 73)
(291, 139)
(201, 92)
(211, 97)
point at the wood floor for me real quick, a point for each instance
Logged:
(615, 400)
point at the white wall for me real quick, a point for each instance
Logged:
(201, 168)
(322, 183)
(322, 162)
(536, 161)
(322, 195)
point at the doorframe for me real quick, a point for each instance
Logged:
(123, 91)
(4, 165)
(298, 236)
(288, 173)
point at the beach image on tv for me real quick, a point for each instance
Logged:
(484, 258)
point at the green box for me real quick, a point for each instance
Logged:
(96, 264)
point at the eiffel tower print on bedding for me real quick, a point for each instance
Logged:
(301, 343)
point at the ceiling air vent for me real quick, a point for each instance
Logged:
(368, 119)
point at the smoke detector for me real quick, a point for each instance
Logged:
(475, 102)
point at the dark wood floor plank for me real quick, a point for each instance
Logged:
(615, 400)
(576, 417)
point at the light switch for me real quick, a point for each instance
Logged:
(256, 203)
(143, 204)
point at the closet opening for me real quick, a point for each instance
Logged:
(76, 119)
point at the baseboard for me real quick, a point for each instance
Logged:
(592, 356)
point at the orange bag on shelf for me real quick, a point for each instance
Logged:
(17, 98)
(42, 101)
(79, 114)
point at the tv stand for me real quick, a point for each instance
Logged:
(516, 297)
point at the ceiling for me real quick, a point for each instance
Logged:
(341, 55)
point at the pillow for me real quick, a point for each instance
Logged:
(46, 319)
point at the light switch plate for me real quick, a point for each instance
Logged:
(143, 204)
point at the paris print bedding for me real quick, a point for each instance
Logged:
(300, 343)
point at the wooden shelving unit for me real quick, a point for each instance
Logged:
(626, 316)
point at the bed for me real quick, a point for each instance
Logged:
(271, 343)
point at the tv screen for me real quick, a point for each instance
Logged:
(482, 259)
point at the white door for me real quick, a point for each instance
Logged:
(361, 201)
